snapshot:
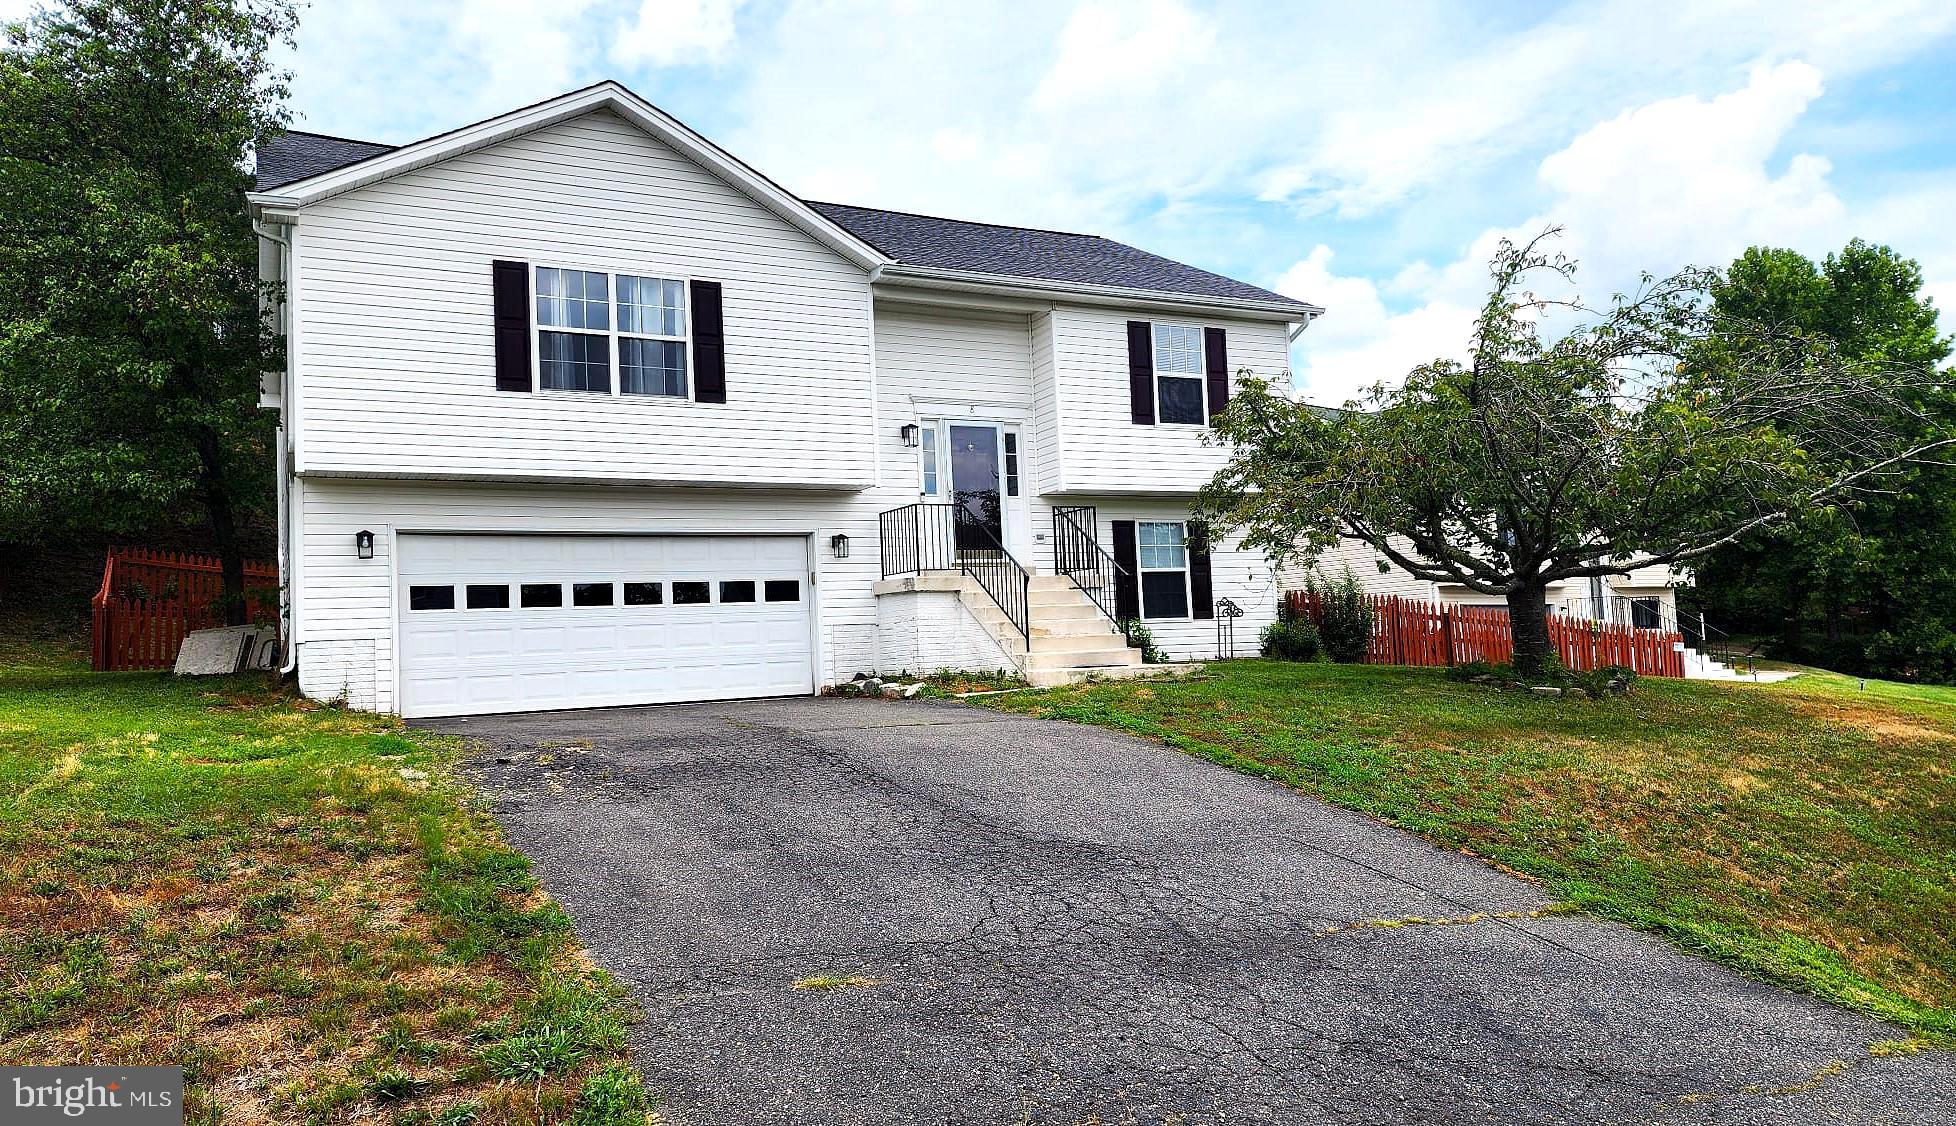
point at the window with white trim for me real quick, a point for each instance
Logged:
(580, 340)
(1162, 556)
(573, 330)
(1180, 375)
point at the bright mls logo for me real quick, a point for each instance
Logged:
(98, 1096)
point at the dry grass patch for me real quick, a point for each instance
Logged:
(296, 903)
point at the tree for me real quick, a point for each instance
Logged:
(1868, 586)
(132, 335)
(1652, 432)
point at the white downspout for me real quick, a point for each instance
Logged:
(282, 453)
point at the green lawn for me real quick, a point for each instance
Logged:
(297, 903)
(1805, 832)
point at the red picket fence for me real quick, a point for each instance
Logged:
(150, 599)
(1405, 632)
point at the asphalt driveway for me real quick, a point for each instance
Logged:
(1064, 925)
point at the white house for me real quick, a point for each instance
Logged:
(1645, 597)
(581, 410)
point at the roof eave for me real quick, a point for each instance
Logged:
(605, 95)
(969, 281)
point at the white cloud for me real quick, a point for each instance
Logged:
(383, 70)
(676, 32)
(1358, 341)
(1108, 52)
(1677, 182)
(1694, 180)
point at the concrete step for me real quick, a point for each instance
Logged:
(1052, 582)
(1076, 626)
(1079, 643)
(1112, 657)
(1066, 611)
(1051, 678)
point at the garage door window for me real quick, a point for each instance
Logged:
(431, 598)
(738, 590)
(542, 595)
(644, 594)
(590, 594)
(488, 597)
(691, 594)
(783, 590)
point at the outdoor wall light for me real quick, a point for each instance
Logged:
(910, 434)
(839, 544)
(363, 543)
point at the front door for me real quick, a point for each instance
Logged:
(976, 484)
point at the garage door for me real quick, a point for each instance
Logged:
(527, 623)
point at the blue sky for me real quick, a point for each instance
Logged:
(1361, 156)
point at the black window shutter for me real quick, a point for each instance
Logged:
(511, 282)
(709, 344)
(1141, 373)
(1202, 597)
(1215, 361)
(1127, 580)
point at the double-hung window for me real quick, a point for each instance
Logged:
(651, 336)
(573, 330)
(1161, 550)
(1179, 375)
(589, 322)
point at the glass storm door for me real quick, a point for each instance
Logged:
(975, 483)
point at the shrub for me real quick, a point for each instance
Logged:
(1291, 637)
(1344, 616)
(1142, 638)
(1600, 682)
(1480, 671)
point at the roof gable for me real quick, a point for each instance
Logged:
(298, 168)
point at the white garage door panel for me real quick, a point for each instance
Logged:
(464, 661)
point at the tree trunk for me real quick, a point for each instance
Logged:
(1528, 625)
(224, 528)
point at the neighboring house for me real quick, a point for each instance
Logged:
(1645, 597)
(580, 410)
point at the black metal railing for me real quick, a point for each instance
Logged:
(1077, 554)
(950, 537)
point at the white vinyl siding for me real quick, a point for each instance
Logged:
(1099, 448)
(396, 357)
(943, 366)
(1241, 576)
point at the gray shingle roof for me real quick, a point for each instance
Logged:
(913, 240)
(1026, 252)
(295, 155)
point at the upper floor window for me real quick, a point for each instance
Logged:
(1179, 374)
(579, 340)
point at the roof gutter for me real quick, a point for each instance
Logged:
(967, 281)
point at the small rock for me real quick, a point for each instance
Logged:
(911, 690)
(870, 684)
(410, 774)
(1547, 689)
(891, 690)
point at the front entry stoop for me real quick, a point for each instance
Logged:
(1071, 640)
